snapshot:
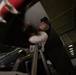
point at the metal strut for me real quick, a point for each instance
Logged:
(35, 59)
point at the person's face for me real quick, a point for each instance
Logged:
(42, 26)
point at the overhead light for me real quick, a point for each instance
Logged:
(70, 46)
(71, 50)
(72, 53)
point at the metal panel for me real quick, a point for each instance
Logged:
(62, 18)
(64, 28)
(66, 39)
(57, 7)
(72, 36)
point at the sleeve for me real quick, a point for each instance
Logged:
(38, 38)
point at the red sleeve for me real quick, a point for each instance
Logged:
(15, 3)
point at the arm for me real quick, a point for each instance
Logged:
(38, 38)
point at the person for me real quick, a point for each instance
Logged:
(54, 49)
(39, 39)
